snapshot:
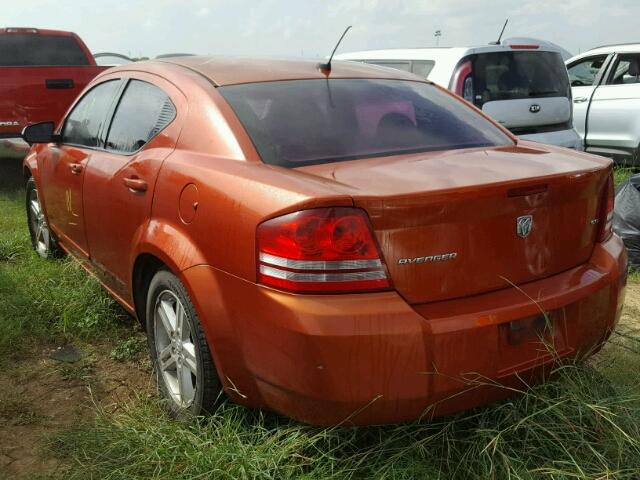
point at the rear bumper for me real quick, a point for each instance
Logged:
(372, 358)
(563, 138)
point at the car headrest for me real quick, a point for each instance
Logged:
(634, 67)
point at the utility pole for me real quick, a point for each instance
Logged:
(438, 34)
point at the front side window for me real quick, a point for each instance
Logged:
(296, 123)
(144, 111)
(85, 122)
(626, 70)
(584, 72)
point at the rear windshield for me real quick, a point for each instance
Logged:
(514, 75)
(295, 123)
(17, 50)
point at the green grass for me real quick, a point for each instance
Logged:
(585, 424)
(45, 300)
(622, 174)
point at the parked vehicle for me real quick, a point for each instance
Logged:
(42, 72)
(338, 246)
(606, 98)
(111, 59)
(524, 86)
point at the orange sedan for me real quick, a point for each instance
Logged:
(352, 245)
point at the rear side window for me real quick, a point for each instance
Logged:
(296, 123)
(17, 49)
(85, 122)
(421, 68)
(517, 75)
(144, 111)
(584, 72)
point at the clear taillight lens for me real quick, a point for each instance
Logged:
(324, 250)
(606, 211)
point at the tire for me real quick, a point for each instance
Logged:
(179, 349)
(41, 237)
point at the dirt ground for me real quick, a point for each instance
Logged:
(42, 396)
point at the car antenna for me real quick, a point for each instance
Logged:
(497, 42)
(326, 67)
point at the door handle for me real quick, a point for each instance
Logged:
(59, 83)
(580, 99)
(136, 184)
(76, 168)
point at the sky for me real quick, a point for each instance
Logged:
(311, 28)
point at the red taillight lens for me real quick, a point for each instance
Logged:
(321, 250)
(463, 82)
(525, 47)
(606, 211)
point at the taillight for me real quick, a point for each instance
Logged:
(606, 211)
(463, 82)
(322, 250)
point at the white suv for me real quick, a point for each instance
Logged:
(524, 86)
(606, 100)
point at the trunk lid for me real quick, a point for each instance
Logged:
(447, 223)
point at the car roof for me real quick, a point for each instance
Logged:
(237, 70)
(607, 49)
(36, 31)
(437, 53)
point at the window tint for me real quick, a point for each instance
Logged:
(84, 123)
(144, 110)
(626, 71)
(17, 49)
(516, 75)
(293, 123)
(584, 73)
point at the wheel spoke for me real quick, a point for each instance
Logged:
(179, 378)
(180, 323)
(35, 209)
(165, 359)
(165, 312)
(187, 389)
(38, 232)
(189, 352)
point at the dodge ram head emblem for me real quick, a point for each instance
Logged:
(524, 225)
(535, 108)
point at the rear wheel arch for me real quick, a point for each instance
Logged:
(145, 267)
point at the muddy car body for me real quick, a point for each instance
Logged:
(339, 246)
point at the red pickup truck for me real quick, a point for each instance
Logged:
(41, 73)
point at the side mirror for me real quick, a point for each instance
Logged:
(40, 133)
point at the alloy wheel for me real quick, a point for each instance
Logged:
(175, 349)
(39, 227)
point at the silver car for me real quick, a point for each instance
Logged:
(521, 82)
(606, 101)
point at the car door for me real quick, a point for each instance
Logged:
(62, 166)
(584, 75)
(120, 180)
(613, 126)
